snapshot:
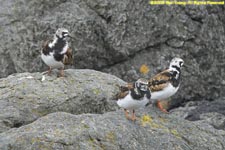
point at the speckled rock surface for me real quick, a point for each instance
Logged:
(47, 112)
(112, 131)
(212, 113)
(117, 37)
(25, 97)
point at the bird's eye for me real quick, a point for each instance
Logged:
(181, 63)
(64, 34)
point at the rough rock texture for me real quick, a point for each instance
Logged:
(211, 112)
(46, 112)
(25, 97)
(111, 131)
(118, 37)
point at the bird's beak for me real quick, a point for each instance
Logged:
(189, 68)
(71, 37)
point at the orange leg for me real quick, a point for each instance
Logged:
(159, 105)
(49, 70)
(126, 114)
(62, 72)
(133, 116)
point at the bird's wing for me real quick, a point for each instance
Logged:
(45, 48)
(68, 57)
(160, 81)
(127, 87)
(124, 90)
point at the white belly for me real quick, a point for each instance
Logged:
(65, 49)
(129, 103)
(164, 94)
(51, 62)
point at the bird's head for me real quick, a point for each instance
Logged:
(142, 84)
(62, 33)
(176, 63)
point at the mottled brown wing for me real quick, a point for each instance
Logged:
(44, 46)
(124, 90)
(68, 57)
(122, 94)
(160, 81)
(127, 87)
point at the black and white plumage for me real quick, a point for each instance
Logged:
(56, 53)
(134, 96)
(166, 83)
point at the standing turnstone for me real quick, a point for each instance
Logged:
(166, 83)
(133, 97)
(56, 53)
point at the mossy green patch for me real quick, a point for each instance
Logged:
(96, 91)
(156, 125)
(86, 126)
(92, 143)
(91, 140)
(42, 112)
(42, 146)
(111, 136)
(95, 145)
(147, 120)
(175, 133)
(163, 120)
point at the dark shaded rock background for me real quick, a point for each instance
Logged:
(118, 37)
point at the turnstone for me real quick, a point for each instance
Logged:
(166, 83)
(133, 97)
(56, 53)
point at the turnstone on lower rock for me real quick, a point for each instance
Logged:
(133, 97)
(56, 53)
(166, 83)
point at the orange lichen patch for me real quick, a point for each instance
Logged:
(144, 69)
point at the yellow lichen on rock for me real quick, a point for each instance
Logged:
(175, 133)
(146, 119)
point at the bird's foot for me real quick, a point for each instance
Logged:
(62, 73)
(127, 114)
(160, 106)
(49, 71)
(133, 118)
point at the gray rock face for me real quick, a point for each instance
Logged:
(25, 97)
(112, 131)
(118, 37)
(217, 106)
(212, 113)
